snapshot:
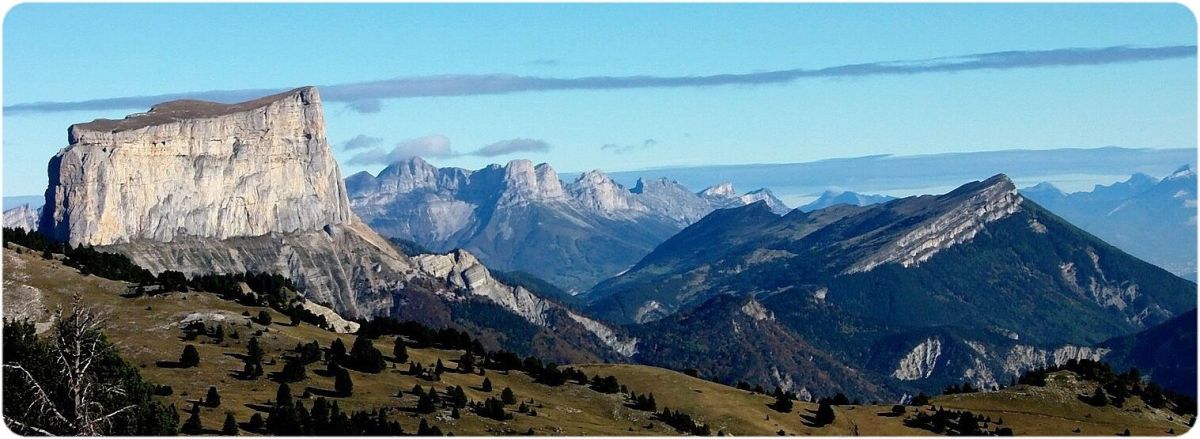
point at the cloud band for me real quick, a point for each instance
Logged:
(366, 96)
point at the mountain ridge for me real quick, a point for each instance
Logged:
(522, 217)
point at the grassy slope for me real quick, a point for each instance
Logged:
(147, 330)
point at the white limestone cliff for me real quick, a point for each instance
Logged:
(199, 169)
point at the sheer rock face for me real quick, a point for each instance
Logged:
(22, 217)
(197, 169)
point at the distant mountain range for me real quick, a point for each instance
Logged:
(1152, 219)
(522, 217)
(833, 198)
(904, 175)
(976, 284)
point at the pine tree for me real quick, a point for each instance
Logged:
(440, 367)
(256, 423)
(342, 383)
(230, 427)
(213, 399)
(283, 419)
(508, 397)
(825, 414)
(192, 425)
(293, 370)
(466, 363)
(399, 351)
(190, 357)
(783, 403)
(252, 369)
(254, 351)
(364, 356)
(487, 385)
(427, 402)
(337, 351)
(457, 397)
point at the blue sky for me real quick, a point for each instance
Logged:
(145, 49)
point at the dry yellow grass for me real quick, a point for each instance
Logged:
(147, 329)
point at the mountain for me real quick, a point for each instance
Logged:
(980, 265)
(835, 197)
(269, 170)
(522, 217)
(1152, 219)
(1166, 353)
(23, 217)
(201, 187)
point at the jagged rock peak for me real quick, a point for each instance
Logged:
(193, 168)
(765, 195)
(722, 190)
(525, 182)
(597, 191)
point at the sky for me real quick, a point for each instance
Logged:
(620, 87)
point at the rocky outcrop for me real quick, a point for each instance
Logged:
(197, 169)
(346, 265)
(920, 362)
(672, 199)
(1021, 358)
(463, 271)
(963, 213)
(22, 217)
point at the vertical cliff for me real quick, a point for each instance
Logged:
(198, 169)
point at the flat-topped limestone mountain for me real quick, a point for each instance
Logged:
(197, 169)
